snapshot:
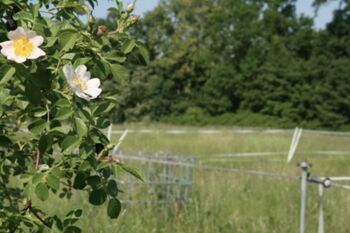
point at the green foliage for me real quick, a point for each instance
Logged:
(227, 57)
(114, 208)
(247, 119)
(48, 134)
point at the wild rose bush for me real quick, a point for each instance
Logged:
(57, 90)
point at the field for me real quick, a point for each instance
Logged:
(223, 201)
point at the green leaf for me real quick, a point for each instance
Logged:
(28, 190)
(98, 136)
(33, 93)
(143, 51)
(94, 181)
(119, 72)
(70, 143)
(128, 46)
(39, 26)
(59, 130)
(116, 58)
(6, 73)
(114, 207)
(41, 79)
(53, 181)
(102, 165)
(101, 69)
(63, 113)
(22, 104)
(5, 96)
(45, 143)
(67, 39)
(72, 229)
(39, 112)
(79, 181)
(7, 2)
(42, 192)
(70, 220)
(78, 213)
(5, 141)
(50, 42)
(102, 123)
(79, 8)
(35, 10)
(81, 61)
(130, 170)
(85, 165)
(97, 196)
(112, 188)
(85, 113)
(63, 103)
(23, 15)
(37, 126)
(103, 107)
(57, 172)
(37, 177)
(68, 56)
(80, 127)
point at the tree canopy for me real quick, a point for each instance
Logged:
(255, 58)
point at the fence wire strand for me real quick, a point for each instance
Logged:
(214, 168)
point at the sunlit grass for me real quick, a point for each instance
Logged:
(224, 201)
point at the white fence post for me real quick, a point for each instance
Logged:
(303, 196)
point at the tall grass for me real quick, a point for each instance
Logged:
(230, 202)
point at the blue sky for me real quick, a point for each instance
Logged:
(303, 7)
(141, 6)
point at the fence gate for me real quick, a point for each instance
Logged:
(167, 178)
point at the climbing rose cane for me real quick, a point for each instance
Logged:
(22, 45)
(80, 82)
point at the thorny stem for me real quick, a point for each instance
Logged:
(57, 67)
(48, 113)
(37, 159)
(28, 206)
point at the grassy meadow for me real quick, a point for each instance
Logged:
(226, 201)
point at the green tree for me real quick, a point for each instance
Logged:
(218, 57)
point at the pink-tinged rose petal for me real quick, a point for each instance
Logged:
(17, 34)
(18, 59)
(31, 34)
(36, 53)
(6, 43)
(37, 40)
(7, 49)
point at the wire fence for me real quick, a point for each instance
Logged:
(164, 180)
(236, 131)
(169, 170)
(168, 178)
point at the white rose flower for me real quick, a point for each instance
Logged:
(80, 82)
(22, 45)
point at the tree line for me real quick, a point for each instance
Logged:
(240, 62)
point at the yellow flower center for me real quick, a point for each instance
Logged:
(23, 47)
(79, 83)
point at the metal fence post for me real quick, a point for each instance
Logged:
(320, 218)
(303, 194)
